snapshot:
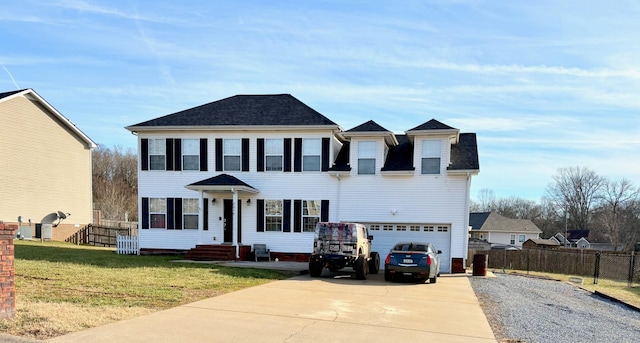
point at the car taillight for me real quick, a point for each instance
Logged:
(428, 260)
(388, 259)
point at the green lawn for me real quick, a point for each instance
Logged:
(93, 286)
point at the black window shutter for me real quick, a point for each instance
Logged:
(297, 154)
(170, 214)
(324, 211)
(177, 143)
(218, 154)
(177, 214)
(145, 213)
(260, 154)
(144, 155)
(287, 154)
(260, 215)
(205, 214)
(203, 154)
(239, 221)
(169, 153)
(297, 216)
(286, 216)
(325, 154)
(245, 154)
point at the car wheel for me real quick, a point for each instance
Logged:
(315, 268)
(361, 268)
(387, 275)
(374, 263)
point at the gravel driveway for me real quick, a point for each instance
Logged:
(526, 309)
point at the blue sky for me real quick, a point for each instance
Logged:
(544, 84)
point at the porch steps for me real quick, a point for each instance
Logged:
(211, 252)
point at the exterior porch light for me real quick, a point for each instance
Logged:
(248, 202)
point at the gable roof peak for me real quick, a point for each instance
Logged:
(369, 126)
(432, 125)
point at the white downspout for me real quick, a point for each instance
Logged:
(338, 198)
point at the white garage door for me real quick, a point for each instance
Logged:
(386, 235)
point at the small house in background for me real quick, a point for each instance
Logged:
(540, 243)
(46, 168)
(574, 239)
(501, 232)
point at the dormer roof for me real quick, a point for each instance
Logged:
(372, 129)
(434, 128)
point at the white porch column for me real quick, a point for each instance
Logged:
(234, 232)
(200, 217)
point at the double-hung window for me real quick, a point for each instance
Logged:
(190, 213)
(232, 154)
(366, 157)
(273, 154)
(158, 213)
(431, 150)
(310, 214)
(273, 215)
(513, 239)
(190, 154)
(157, 154)
(521, 238)
(311, 152)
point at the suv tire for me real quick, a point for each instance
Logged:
(361, 268)
(374, 263)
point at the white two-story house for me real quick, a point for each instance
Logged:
(265, 169)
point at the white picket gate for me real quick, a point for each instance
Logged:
(127, 245)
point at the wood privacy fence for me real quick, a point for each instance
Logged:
(100, 235)
(587, 263)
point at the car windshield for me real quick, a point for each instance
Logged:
(410, 247)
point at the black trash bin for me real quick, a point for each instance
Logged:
(480, 262)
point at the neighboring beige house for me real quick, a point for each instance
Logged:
(45, 166)
(501, 232)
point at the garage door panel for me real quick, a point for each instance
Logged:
(386, 235)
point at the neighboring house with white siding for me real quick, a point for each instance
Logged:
(501, 232)
(255, 169)
(46, 166)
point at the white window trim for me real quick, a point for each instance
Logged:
(364, 154)
(427, 154)
(184, 153)
(268, 154)
(185, 213)
(306, 146)
(225, 154)
(267, 215)
(317, 216)
(157, 144)
(151, 212)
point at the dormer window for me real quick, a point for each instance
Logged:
(366, 157)
(431, 150)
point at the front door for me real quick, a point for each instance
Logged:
(228, 221)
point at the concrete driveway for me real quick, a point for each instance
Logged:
(332, 308)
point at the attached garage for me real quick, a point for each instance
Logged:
(386, 235)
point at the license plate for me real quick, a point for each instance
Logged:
(334, 247)
(407, 260)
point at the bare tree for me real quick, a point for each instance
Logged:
(486, 200)
(115, 182)
(617, 211)
(575, 191)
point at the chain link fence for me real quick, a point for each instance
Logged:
(617, 266)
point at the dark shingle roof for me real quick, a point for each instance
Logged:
(6, 94)
(477, 219)
(245, 110)
(221, 180)
(370, 126)
(464, 154)
(400, 157)
(432, 125)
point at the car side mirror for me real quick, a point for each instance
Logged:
(439, 251)
(370, 237)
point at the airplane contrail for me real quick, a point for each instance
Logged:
(11, 76)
